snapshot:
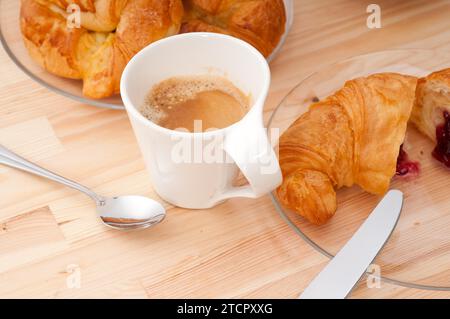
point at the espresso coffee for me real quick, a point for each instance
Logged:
(195, 103)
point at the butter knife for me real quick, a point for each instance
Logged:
(342, 273)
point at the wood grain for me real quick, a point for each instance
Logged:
(241, 248)
(27, 237)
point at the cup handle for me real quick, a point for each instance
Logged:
(248, 146)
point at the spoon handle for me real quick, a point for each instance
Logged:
(11, 159)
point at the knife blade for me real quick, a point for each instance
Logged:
(342, 273)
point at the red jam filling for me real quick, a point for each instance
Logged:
(442, 150)
(405, 167)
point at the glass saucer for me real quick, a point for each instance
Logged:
(418, 252)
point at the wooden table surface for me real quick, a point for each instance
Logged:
(52, 244)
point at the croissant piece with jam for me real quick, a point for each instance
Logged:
(431, 113)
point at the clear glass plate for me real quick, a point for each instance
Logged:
(11, 39)
(418, 253)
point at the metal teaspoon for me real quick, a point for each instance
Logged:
(123, 212)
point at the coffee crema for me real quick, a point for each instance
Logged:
(195, 103)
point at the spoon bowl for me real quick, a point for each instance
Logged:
(130, 212)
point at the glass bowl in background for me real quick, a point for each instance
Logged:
(11, 39)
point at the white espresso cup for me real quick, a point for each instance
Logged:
(197, 170)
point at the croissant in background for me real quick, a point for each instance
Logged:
(259, 22)
(93, 52)
(352, 137)
(113, 31)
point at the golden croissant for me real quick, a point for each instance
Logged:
(351, 137)
(111, 32)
